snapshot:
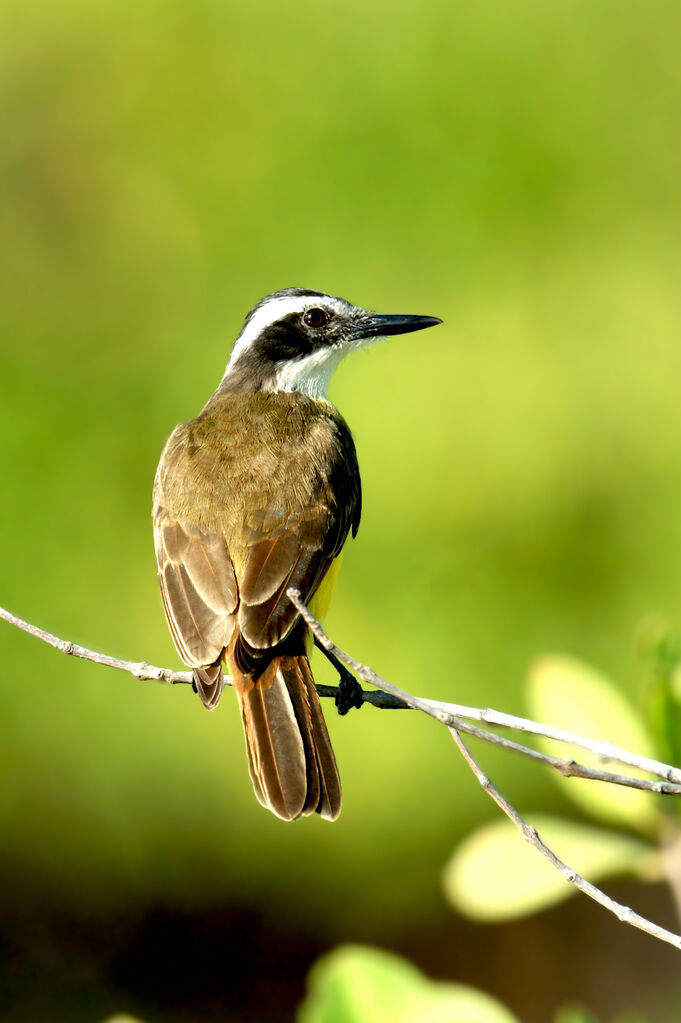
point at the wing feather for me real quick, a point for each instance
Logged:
(226, 557)
(199, 589)
(302, 555)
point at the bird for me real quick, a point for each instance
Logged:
(254, 496)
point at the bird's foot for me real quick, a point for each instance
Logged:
(349, 693)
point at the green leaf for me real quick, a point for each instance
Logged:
(565, 692)
(354, 984)
(495, 875)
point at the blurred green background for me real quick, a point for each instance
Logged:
(512, 167)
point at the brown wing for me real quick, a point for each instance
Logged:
(200, 597)
(295, 551)
(226, 583)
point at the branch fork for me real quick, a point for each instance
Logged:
(457, 719)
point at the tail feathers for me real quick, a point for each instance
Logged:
(300, 704)
(292, 765)
(209, 684)
(329, 805)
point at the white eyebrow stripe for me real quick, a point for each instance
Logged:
(276, 309)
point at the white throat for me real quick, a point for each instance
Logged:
(311, 374)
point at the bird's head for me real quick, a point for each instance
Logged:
(294, 339)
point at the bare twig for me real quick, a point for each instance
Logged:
(567, 767)
(140, 669)
(623, 913)
(378, 698)
(452, 715)
(150, 673)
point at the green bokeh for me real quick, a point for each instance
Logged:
(511, 167)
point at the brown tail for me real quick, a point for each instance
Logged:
(292, 765)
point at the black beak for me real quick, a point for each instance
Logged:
(376, 326)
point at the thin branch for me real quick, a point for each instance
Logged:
(451, 713)
(150, 673)
(140, 669)
(378, 698)
(623, 913)
(567, 767)
(389, 695)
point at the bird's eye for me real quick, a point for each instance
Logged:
(315, 318)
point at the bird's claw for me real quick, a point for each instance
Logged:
(349, 693)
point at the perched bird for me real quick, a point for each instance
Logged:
(254, 496)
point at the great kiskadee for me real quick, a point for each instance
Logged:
(256, 495)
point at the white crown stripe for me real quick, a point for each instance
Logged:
(278, 308)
